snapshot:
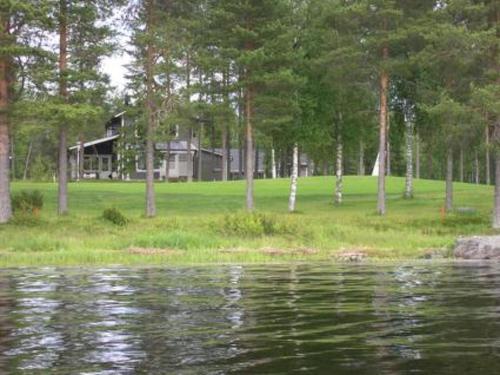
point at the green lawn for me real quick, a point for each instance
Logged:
(192, 224)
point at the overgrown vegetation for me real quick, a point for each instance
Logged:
(115, 216)
(256, 224)
(27, 202)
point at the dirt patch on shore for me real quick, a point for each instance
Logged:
(350, 255)
(274, 251)
(152, 251)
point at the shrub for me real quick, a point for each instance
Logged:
(115, 216)
(256, 224)
(27, 203)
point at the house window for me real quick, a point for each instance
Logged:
(105, 164)
(183, 158)
(171, 162)
(90, 163)
(141, 161)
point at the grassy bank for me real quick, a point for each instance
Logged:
(203, 223)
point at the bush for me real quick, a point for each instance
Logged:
(115, 216)
(256, 224)
(27, 203)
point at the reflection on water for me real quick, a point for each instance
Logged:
(369, 319)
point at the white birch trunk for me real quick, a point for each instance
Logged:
(339, 170)
(293, 181)
(488, 161)
(273, 164)
(417, 157)
(409, 159)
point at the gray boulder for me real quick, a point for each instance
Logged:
(478, 247)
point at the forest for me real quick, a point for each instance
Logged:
(409, 86)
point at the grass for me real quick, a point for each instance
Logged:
(203, 223)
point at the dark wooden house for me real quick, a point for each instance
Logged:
(115, 157)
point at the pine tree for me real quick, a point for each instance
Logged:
(18, 21)
(256, 34)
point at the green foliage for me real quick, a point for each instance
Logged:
(255, 224)
(115, 216)
(42, 243)
(27, 202)
(176, 239)
(465, 217)
(42, 169)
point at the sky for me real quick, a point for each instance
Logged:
(114, 66)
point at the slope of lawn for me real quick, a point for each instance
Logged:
(204, 223)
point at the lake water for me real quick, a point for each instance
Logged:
(318, 319)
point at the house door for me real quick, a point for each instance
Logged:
(173, 166)
(105, 167)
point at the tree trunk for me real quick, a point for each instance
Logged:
(430, 166)
(167, 161)
(256, 162)
(228, 154)
(81, 153)
(384, 86)
(409, 159)
(225, 130)
(496, 206)
(150, 111)
(27, 161)
(200, 154)
(273, 164)
(5, 204)
(488, 161)
(240, 161)
(293, 183)
(241, 140)
(361, 167)
(63, 92)
(224, 153)
(388, 145)
(339, 169)
(12, 155)
(496, 132)
(476, 168)
(449, 181)
(417, 156)
(461, 166)
(189, 165)
(249, 149)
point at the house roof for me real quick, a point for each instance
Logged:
(96, 142)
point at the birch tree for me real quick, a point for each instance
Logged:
(293, 179)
